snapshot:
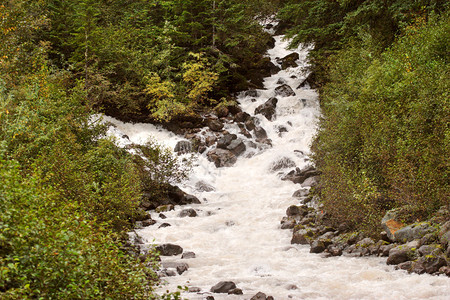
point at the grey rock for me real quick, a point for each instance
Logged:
(251, 93)
(397, 256)
(179, 266)
(444, 234)
(237, 146)
(204, 187)
(259, 296)
(169, 249)
(224, 141)
(223, 287)
(384, 249)
(188, 255)
(317, 246)
(428, 264)
(295, 210)
(268, 108)
(407, 266)
(413, 232)
(289, 61)
(300, 193)
(391, 224)
(214, 124)
(242, 117)
(260, 133)
(250, 124)
(222, 157)
(301, 237)
(288, 223)
(236, 291)
(148, 222)
(188, 212)
(282, 163)
(183, 147)
(163, 225)
(284, 91)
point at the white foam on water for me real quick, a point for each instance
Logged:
(237, 235)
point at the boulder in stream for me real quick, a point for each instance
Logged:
(222, 157)
(169, 249)
(223, 287)
(284, 91)
(268, 108)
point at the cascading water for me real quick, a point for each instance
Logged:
(236, 235)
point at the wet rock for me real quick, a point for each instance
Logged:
(398, 255)
(242, 117)
(214, 124)
(282, 163)
(168, 273)
(169, 249)
(179, 266)
(250, 124)
(391, 224)
(251, 93)
(301, 237)
(289, 61)
(183, 147)
(236, 291)
(407, 266)
(202, 186)
(222, 157)
(194, 289)
(428, 264)
(237, 146)
(259, 296)
(223, 287)
(295, 210)
(445, 270)
(300, 176)
(163, 225)
(163, 208)
(268, 108)
(210, 140)
(162, 216)
(148, 222)
(188, 255)
(317, 246)
(209, 298)
(222, 111)
(335, 250)
(428, 250)
(288, 223)
(311, 181)
(284, 91)
(384, 249)
(260, 133)
(300, 193)
(188, 212)
(224, 141)
(413, 232)
(444, 234)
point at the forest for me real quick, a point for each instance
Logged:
(69, 195)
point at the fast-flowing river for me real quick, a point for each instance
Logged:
(236, 235)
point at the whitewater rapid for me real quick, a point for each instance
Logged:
(236, 235)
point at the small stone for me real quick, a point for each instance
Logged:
(259, 296)
(162, 216)
(317, 246)
(148, 222)
(194, 289)
(188, 255)
(163, 225)
(236, 291)
(188, 212)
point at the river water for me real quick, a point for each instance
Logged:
(236, 235)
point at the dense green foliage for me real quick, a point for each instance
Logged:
(383, 140)
(134, 56)
(68, 195)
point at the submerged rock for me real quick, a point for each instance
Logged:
(223, 287)
(189, 212)
(267, 109)
(183, 147)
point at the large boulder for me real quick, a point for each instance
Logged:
(299, 176)
(302, 237)
(284, 91)
(214, 124)
(260, 133)
(391, 223)
(413, 232)
(428, 264)
(223, 287)
(237, 146)
(268, 108)
(173, 196)
(444, 234)
(169, 249)
(224, 141)
(289, 61)
(222, 157)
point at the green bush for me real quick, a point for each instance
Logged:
(383, 140)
